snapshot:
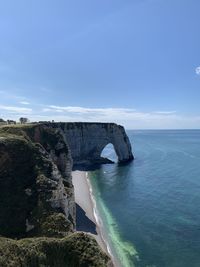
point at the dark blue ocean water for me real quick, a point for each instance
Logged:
(151, 207)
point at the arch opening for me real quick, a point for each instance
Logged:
(109, 153)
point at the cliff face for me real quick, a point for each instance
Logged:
(36, 195)
(87, 140)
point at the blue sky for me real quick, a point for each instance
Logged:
(132, 62)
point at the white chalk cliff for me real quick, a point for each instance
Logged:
(87, 140)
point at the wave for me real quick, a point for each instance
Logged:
(98, 220)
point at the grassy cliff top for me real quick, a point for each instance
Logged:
(76, 250)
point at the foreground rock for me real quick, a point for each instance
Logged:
(36, 192)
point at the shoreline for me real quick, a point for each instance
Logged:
(85, 199)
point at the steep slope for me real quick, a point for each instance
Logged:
(35, 184)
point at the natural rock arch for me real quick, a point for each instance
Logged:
(87, 140)
(109, 153)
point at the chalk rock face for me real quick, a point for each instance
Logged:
(87, 140)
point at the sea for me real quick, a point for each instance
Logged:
(150, 208)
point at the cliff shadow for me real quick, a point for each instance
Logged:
(83, 223)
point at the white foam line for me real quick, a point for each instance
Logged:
(99, 222)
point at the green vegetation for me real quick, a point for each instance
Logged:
(78, 249)
(17, 172)
(27, 185)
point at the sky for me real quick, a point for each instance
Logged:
(133, 62)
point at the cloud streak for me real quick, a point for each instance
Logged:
(84, 110)
(24, 102)
(13, 109)
(165, 112)
(129, 117)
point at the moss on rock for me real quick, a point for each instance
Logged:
(27, 187)
(17, 173)
(78, 249)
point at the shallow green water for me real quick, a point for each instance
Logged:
(151, 207)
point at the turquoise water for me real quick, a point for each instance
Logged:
(151, 207)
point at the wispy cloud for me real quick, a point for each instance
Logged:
(120, 115)
(197, 70)
(165, 112)
(11, 109)
(95, 114)
(24, 102)
(84, 110)
(129, 117)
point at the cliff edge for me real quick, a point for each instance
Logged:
(37, 204)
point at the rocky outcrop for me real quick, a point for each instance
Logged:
(36, 192)
(87, 140)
